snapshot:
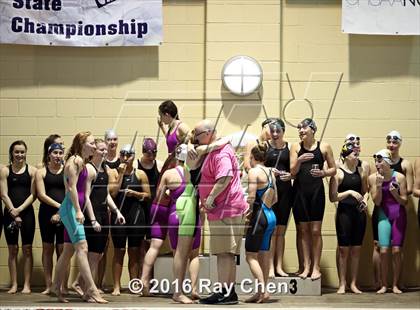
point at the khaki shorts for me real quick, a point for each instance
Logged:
(226, 235)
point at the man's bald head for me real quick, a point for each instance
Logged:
(205, 131)
(205, 124)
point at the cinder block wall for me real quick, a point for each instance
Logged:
(46, 90)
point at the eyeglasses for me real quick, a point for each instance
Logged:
(393, 138)
(196, 135)
(379, 158)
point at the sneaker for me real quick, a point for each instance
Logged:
(220, 299)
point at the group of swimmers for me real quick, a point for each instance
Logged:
(95, 191)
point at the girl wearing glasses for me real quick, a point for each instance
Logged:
(389, 191)
(349, 188)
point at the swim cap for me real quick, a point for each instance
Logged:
(110, 134)
(127, 149)
(276, 124)
(181, 152)
(385, 154)
(346, 150)
(310, 123)
(149, 146)
(394, 135)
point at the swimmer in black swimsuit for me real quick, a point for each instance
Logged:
(306, 164)
(17, 183)
(350, 189)
(98, 200)
(51, 191)
(416, 190)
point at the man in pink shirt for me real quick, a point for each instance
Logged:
(223, 200)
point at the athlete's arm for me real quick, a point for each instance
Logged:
(117, 178)
(247, 162)
(4, 173)
(365, 184)
(162, 188)
(416, 190)
(218, 144)
(401, 194)
(182, 132)
(252, 186)
(375, 186)
(409, 175)
(32, 196)
(40, 188)
(75, 166)
(329, 158)
(88, 204)
(333, 188)
(145, 194)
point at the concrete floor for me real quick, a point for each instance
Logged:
(368, 300)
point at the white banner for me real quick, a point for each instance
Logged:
(392, 17)
(81, 22)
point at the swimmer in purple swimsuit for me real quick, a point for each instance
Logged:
(163, 215)
(177, 131)
(389, 192)
(71, 213)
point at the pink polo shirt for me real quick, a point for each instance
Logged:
(231, 202)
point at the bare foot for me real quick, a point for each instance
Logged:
(94, 296)
(355, 290)
(304, 274)
(382, 290)
(13, 290)
(64, 290)
(341, 289)
(271, 275)
(266, 297)
(60, 298)
(182, 299)
(256, 298)
(396, 290)
(116, 292)
(47, 291)
(281, 273)
(26, 290)
(100, 291)
(195, 296)
(145, 292)
(76, 287)
(315, 275)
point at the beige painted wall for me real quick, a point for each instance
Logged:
(47, 90)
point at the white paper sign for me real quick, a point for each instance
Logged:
(81, 22)
(391, 17)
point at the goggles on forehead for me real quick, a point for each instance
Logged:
(275, 127)
(353, 138)
(126, 153)
(379, 157)
(396, 138)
